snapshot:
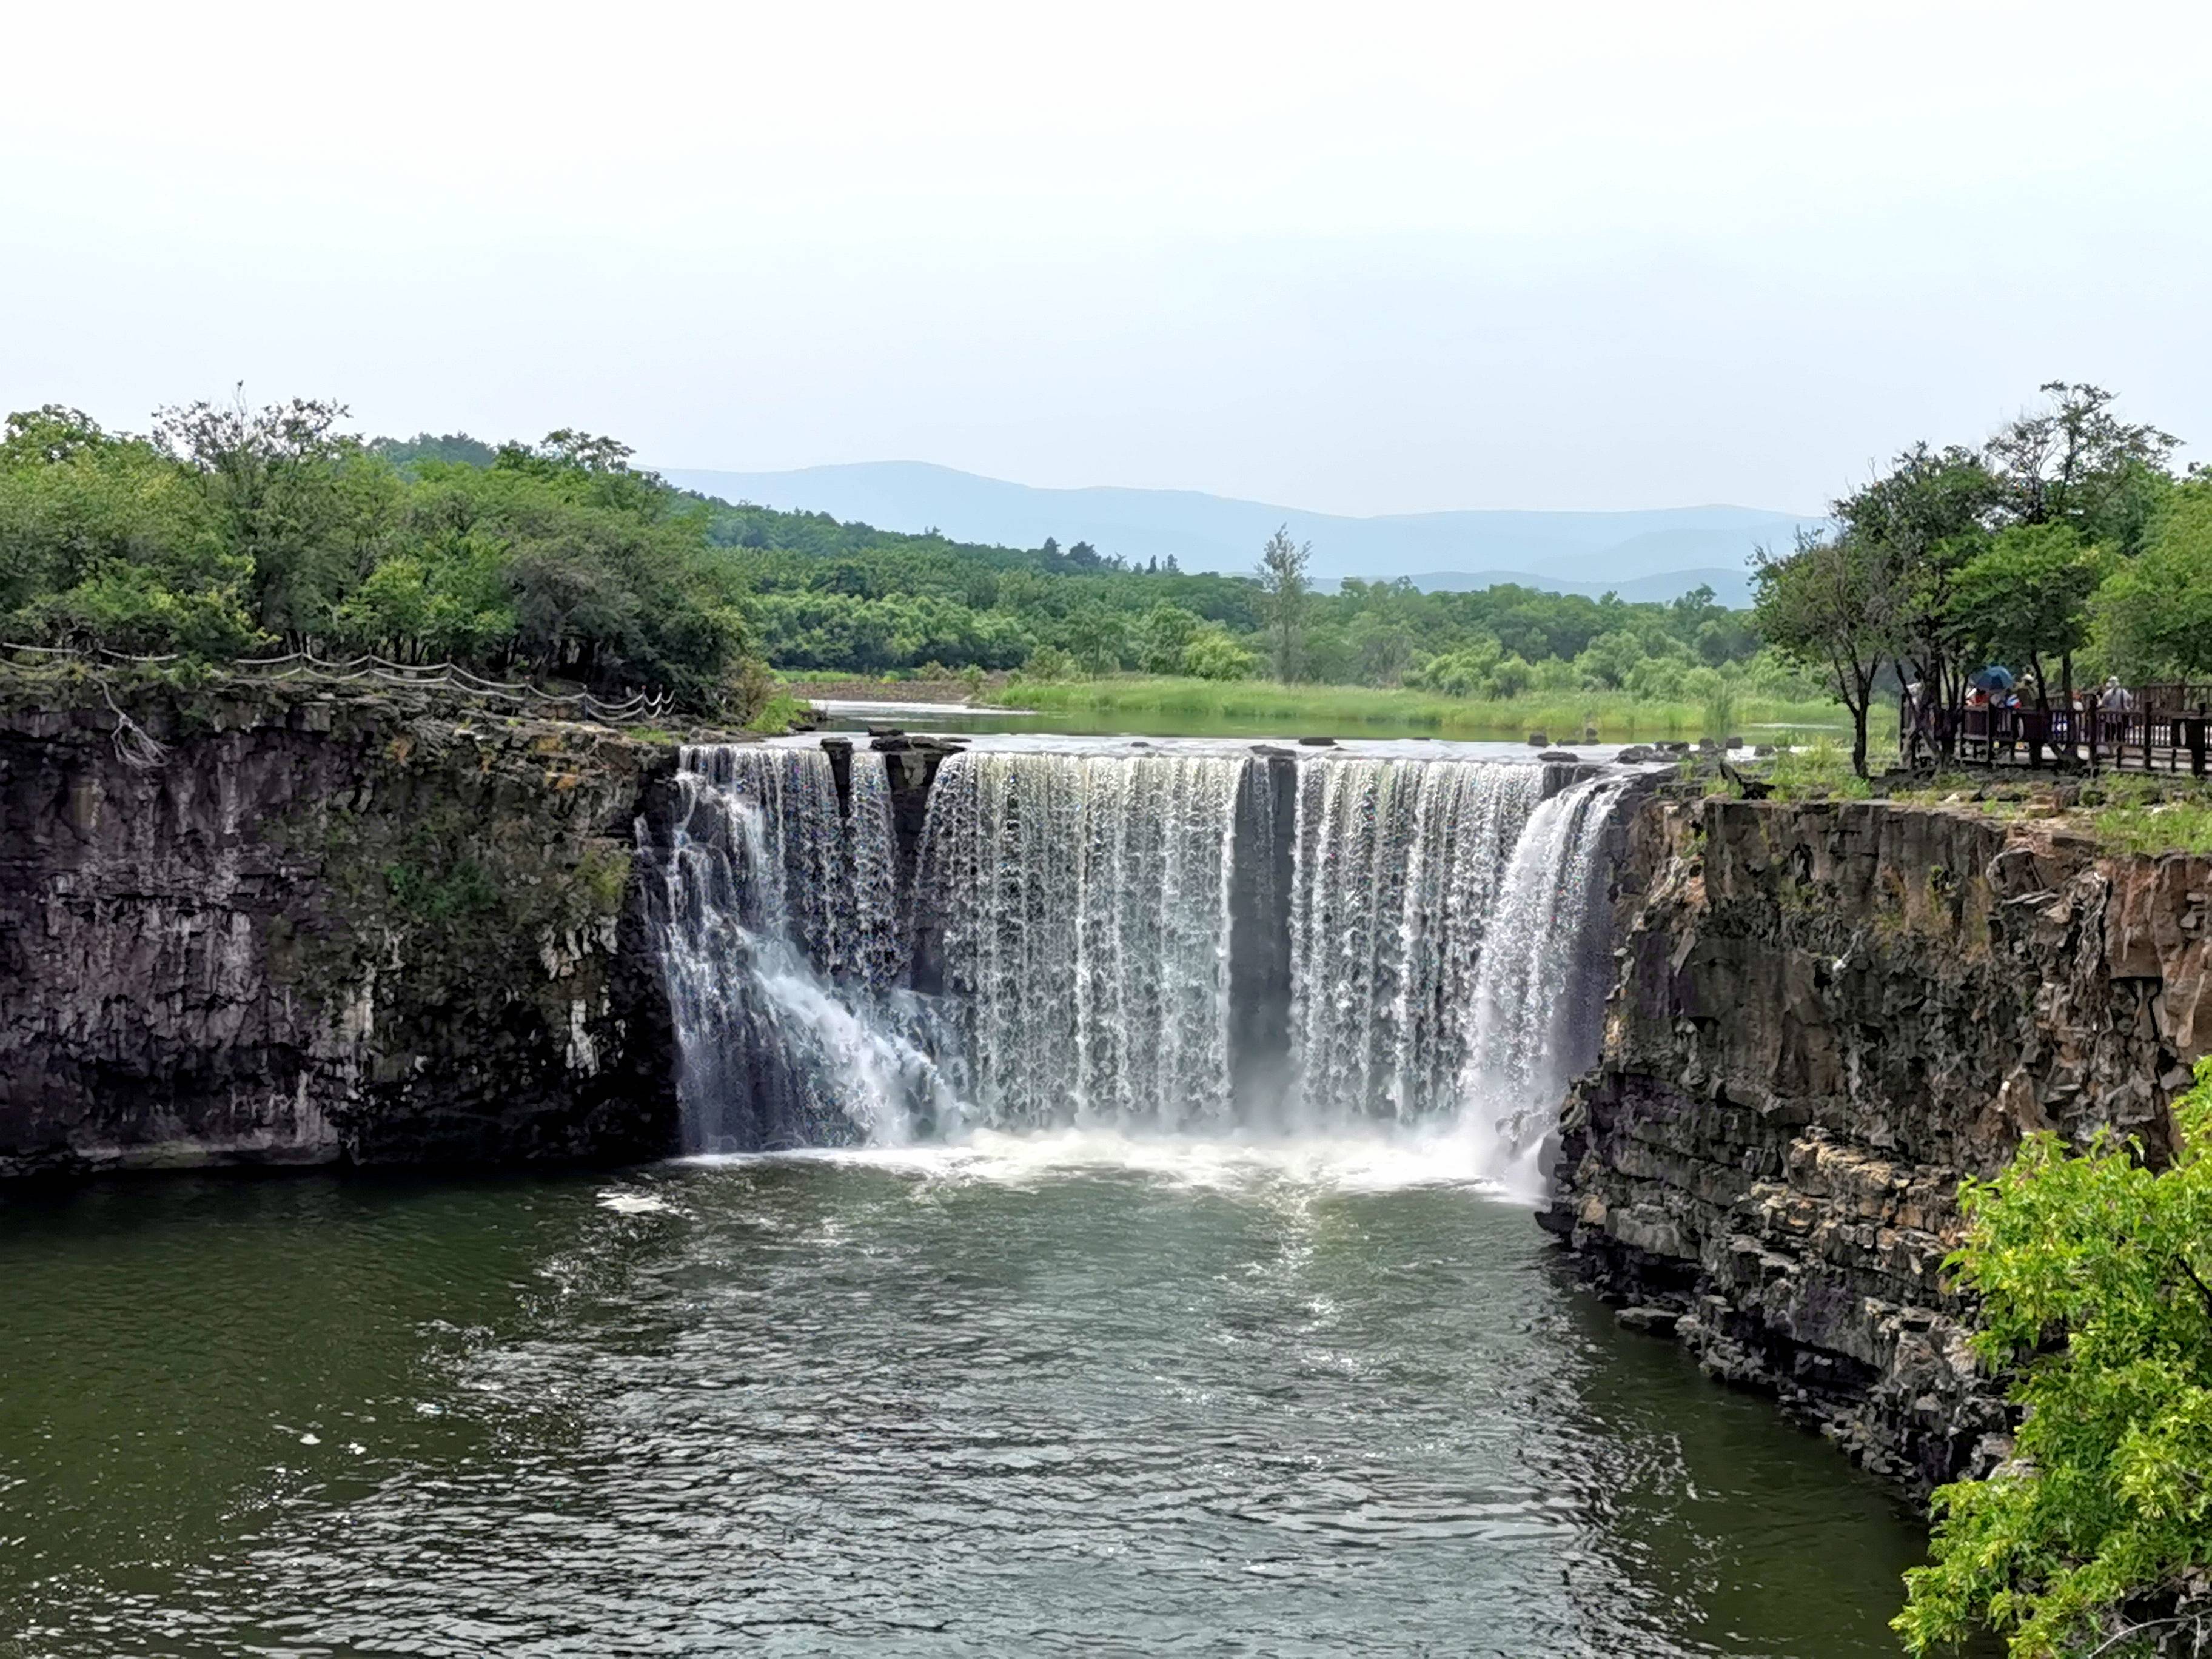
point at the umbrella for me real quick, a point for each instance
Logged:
(1992, 678)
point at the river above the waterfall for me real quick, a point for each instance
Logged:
(1042, 1394)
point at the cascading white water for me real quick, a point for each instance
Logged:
(1399, 866)
(1165, 940)
(1535, 1026)
(1083, 910)
(779, 943)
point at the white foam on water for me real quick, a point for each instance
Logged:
(1381, 1159)
(623, 1202)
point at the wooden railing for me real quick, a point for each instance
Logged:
(2154, 736)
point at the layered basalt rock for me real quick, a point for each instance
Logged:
(321, 928)
(1826, 1015)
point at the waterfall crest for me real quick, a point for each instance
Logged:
(1162, 941)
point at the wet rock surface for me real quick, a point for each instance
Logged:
(1826, 1015)
(322, 927)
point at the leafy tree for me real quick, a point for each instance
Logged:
(1162, 637)
(2094, 1274)
(1097, 639)
(1382, 644)
(1920, 522)
(1833, 605)
(1049, 662)
(306, 505)
(2074, 462)
(453, 448)
(1461, 673)
(2155, 611)
(1283, 584)
(103, 542)
(2026, 600)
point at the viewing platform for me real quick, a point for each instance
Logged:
(2150, 728)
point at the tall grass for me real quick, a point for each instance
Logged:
(1815, 768)
(1344, 710)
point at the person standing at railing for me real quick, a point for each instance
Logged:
(2116, 695)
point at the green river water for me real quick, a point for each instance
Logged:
(1059, 1394)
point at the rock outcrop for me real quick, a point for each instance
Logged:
(1825, 1016)
(321, 928)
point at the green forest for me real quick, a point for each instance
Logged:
(2066, 545)
(228, 530)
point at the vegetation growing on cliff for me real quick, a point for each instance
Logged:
(2094, 1274)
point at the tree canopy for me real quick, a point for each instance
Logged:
(2066, 535)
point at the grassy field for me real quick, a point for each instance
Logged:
(2125, 812)
(1178, 705)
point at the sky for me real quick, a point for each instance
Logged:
(1363, 260)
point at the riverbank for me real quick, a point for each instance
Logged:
(1343, 710)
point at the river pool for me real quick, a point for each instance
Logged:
(1051, 1393)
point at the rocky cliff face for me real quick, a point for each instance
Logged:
(321, 928)
(1825, 1016)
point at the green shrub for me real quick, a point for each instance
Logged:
(2094, 1272)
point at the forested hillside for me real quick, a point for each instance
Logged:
(2065, 545)
(228, 531)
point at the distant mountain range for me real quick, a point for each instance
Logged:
(1652, 555)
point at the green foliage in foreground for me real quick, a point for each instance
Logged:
(2095, 1280)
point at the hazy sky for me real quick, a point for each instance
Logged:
(1362, 258)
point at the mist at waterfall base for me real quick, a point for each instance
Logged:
(1201, 941)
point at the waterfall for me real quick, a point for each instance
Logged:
(1538, 996)
(1082, 937)
(1175, 940)
(777, 932)
(1399, 866)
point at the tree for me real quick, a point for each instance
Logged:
(1213, 654)
(1097, 638)
(1920, 522)
(1832, 605)
(2094, 1274)
(1384, 645)
(1161, 636)
(1283, 588)
(2155, 611)
(2074, 462)
(305, 504)
(105, 542)
(2026, 598)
